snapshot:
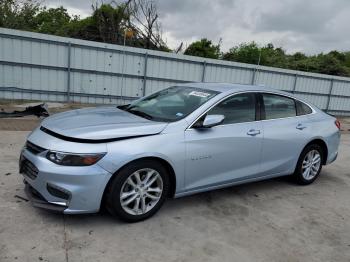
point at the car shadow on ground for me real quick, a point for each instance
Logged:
(249, 192)
(235, 198)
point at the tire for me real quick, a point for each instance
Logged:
(301, 175)
(146, 199)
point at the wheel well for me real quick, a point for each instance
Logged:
(170, 170)
(323, 145)
(165, 163)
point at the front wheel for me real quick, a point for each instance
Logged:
(309, 165)
(138, 191)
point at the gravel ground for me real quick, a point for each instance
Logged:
(273, 220)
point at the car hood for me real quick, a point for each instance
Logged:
(100, 124)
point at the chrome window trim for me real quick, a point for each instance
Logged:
(312, 109)
(294, 98)
(252, 91)
(222, 99)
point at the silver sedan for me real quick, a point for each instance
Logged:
(179, 141)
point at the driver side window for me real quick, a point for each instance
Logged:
(236, 109)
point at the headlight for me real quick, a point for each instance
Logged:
(70, 159)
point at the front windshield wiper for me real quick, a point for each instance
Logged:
(139, 113)
(131, 110)
(123, 107)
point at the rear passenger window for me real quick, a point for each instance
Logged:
(277, 106)
(236, 109)
(302, 109)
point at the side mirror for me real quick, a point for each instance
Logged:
(213, 120)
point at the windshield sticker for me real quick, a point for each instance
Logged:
(200, 94)
(179, 114)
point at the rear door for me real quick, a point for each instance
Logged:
(285, 134)
(228, 152)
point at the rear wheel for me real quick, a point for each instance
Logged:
(138, 191)
(309, 165)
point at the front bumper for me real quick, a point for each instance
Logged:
(39, 201)
(81, 187)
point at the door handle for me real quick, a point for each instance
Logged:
(300, 127)
(253, 132)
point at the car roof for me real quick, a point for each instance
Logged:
(231, 88)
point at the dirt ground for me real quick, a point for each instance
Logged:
(273, 220)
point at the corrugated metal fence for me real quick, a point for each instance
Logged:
(50, 68)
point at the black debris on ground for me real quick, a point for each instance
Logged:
(20, 197)
(39, 111)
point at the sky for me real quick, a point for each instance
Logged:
(309, 26)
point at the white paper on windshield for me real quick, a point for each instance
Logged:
(200, 94)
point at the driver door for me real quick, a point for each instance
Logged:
(228, 152)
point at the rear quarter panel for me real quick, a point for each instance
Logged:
(323, 127)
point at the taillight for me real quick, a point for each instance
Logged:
(337, 123)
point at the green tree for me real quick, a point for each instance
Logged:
(110, 23)
(52, 21)
(251, 53)
(244, 53)
(83, 29)
(19, 15)
(298, 56)
(331, 65)
(295, 60)
(203, 48)
(273, 56)
(308, 64)
(347, 59)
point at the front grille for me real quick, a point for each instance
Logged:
(34, 149)
(29, 169)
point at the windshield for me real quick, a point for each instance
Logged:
(171, 104)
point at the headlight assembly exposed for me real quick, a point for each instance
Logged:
(70, 159)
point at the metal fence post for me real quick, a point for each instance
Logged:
(203, 72)
(68, 71)
(295, 83)
(253, 76)
(329, 95)
(145, 74)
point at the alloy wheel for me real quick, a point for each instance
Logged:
(311, 164)
(141, 191)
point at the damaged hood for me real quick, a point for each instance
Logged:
(100, 124)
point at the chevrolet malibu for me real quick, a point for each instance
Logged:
(179, 141)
